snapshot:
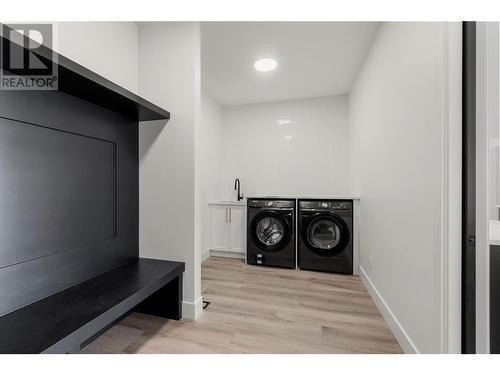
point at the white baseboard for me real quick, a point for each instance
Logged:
(227, 254)
(205, 255)
(192, 310)
(397, 330)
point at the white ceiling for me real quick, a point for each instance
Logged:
(314, 59)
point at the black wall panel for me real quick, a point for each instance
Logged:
(469, 188)
(68, 193)
(494, 299)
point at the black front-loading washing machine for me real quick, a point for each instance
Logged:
(325, 235)
(271, 232)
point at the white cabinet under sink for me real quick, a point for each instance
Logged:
(227, 229)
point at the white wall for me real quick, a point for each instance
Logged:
(398, 114)
(170, 221)
(107, 48)
(209, 149)
(286, 148)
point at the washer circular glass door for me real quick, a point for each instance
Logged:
(327, 234)
(270, 231)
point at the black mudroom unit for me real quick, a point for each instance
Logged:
(69, 213)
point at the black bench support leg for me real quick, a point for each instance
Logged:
(166, 302)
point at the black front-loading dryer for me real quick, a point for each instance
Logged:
(271, 232)
(325, 236)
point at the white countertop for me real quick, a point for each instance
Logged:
(495, 232)
(304, 196)
(243, 202)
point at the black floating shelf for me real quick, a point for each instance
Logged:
(75, 80)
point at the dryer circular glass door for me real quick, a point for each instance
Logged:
(327, 234)
(270, 231)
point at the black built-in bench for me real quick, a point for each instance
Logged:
(67, 321)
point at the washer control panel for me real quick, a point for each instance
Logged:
(270, 203)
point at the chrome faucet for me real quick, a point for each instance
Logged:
(237, 186)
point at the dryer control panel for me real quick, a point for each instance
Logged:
(326, 205)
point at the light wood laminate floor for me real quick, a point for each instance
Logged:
(262, 310)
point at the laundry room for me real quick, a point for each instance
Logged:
(303, 172)
(276, 192)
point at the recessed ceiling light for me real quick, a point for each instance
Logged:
(284, 121)
(265, 65)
